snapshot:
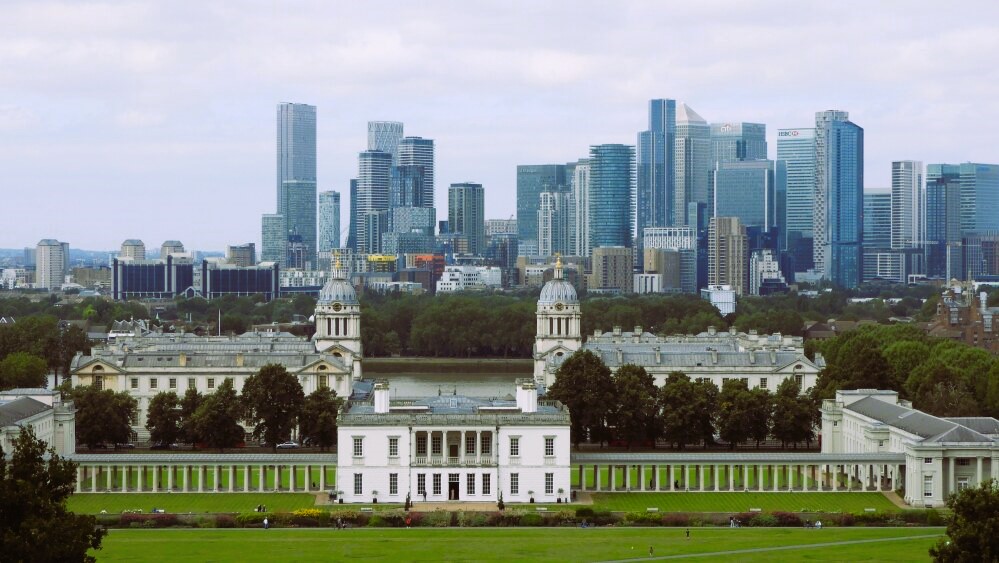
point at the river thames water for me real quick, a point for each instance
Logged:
(422, 377)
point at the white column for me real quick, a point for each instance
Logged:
(202, 472)
(835, 477)
(716, 470)
(759, 477)
(461, 449)
(672, 477)
(627, 478)
(156, 478)
(731, 477)
(93, 479)
(894, 478)
(322, 477)
(79, 479)
(277, 477)
(308, 476)
(596, 476)
(790, 477)
(187, 477)
(641, 476)
(246, 478)
(110, 475)
(613, 477)
(260, 477)
(582, 478)
(170, 470)
(701, 468)
(291, 478)
(979, 475)
(124, 478)
(877, 476)
(232, 478)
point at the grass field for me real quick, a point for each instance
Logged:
(519, 544)
(742, 502)
(115, 503)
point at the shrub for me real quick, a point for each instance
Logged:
(604, 517)
(763, 521)
(676, 519)
(584, 512)
(788, 519)
(503, 519)
(846, 520)
(224, 521)
(108, 520)
(314, 513)
(643, 518)
(149, 520)
(934, 518)
(250, 520)
(351, 517)
(531, 519)
(472, 519)
(437, 519)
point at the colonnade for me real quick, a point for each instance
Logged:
(210, 476)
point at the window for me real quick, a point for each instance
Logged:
(435, 445)
(98, 382)
(927, 485)
(485, 483)
(211, 383)
(800, 380)
(549, 446)
(515, 483)
(763, 383)
(393, 483)
(514, 446)
(470, 482)
(963, 461)
(358, 483)
(421, 445)
(549, 483)
(470, 444)
(323, 382)
(487, 443)
(154, 383)
(135, 419)
(421, 483)
(173, 382)
(437, 483)
(394, 446)
(744, 380)
(135, 383)
(927, 460)
(191, 384)
(358, 446)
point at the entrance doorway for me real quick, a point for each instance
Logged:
(452, 486)
(452, 450)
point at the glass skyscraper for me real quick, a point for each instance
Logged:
(839, 198)
(878, 220)
(466, 214)
(296, 145)
(796, 148)
(373, 178)
(655, 167)
(611, 203)
(943, 221)
(532, 179)
(738, 141)
(692, 163)
(417, 151)
(300, 213)
(908, 204)
(406, 186)
(747, 190)
(329, 220)
(385, 136)
(274, 237)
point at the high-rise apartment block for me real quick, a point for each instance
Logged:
(300, 215)
(51, 263)
(242, 255)
(610, 201)
(581, 196)
(655, 168)
(728, 254)
(385, 136)
(329, 220)
(406, 186)
(839, 198)
(878, 220)
(531, 181)
(296, 146)
(765, 277)
(373, 179)
(274, 237)
(466, 214)
(908, 204)
(417, 151)
(556, 223)
(944, 257)
(611, 270)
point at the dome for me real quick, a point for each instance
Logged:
(337, 290)
(558, 290)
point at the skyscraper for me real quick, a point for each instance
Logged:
(274, 238)
(329, 220)
(556, 223)
(908, 204)
(531, 181)
(879, 220)
(417, 151)
(979, 196)
(655, 168)
(943, 221)
(300, 216)
(372, 191)
(738, 141)
(581, 197)
(796, 148)
(352, 221)
(296, 146)
(385, 136)
(406, 186)
(692, 163)
(611, 201)
(51, 263)
(242, 255)
(466, 214)
(747, 190)
(839, 197)
(728, 254)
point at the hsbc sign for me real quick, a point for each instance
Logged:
(795, 133)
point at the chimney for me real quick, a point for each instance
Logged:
(752, 357)
(239, 360)
(527, 395)
(714, 356)
(712, 331)
(182, 359)
(659, 355)
(773, 356)
(381, 393)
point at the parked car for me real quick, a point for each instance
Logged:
(287, 445)
(124, 446)
(163, 446)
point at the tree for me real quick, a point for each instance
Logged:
(760, 416)
(794, 414)
(187, 428)
(216, 421)
(318, 420)
(163, 418)
(272, 401)
(583, 383)
(103, 416)
(680, 407)
(854, 361)
(635, 411)
(971, 529)
(735, 405)
(706, 405)
(22, 369)
(34, 522)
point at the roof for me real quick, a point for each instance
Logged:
(983, 424)
(686, 114)
(926, 426)
(20, 409)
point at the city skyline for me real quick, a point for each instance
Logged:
(118, 103)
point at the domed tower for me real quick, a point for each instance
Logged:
(338, 321)
(559, 320)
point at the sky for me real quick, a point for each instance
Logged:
(156, 120)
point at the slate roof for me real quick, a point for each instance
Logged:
(20, 409)
(926, 426)
(456, 404)
(983, 424)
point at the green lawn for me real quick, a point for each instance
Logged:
(742, 502)
(515, 544)
(115, 503)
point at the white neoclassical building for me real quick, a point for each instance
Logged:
(942, 455)
(145, 364)
(453, 448)
(53, 421)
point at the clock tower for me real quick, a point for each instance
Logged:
(338, 322)
(558, 333)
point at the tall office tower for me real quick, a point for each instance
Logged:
(466, 204)
(556, 223)
(375, 225)
(531, 181)
(171, 247)
(728, 254)
(581, 196)
(352, 222)
(879, 220)
(908, 204)
(417, 151)
(373, 178)
(385, 136)
(242, 255)
(839, 198)
(133, 249)
(296, 146)
(406, 186)
(796, 147)
(738, 141)
(654, 176)
(51, 261)
(329, 220)
(611, 200)
(692, 162)
(979, 194)
(274, 238)
(748, 190)
(300, 215)
(943, 221)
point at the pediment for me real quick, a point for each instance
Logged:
(98, 365)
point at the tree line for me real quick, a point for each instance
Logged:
(272, 401)
(34, 346)
(627, 407)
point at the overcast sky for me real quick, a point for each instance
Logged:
(157, 120)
